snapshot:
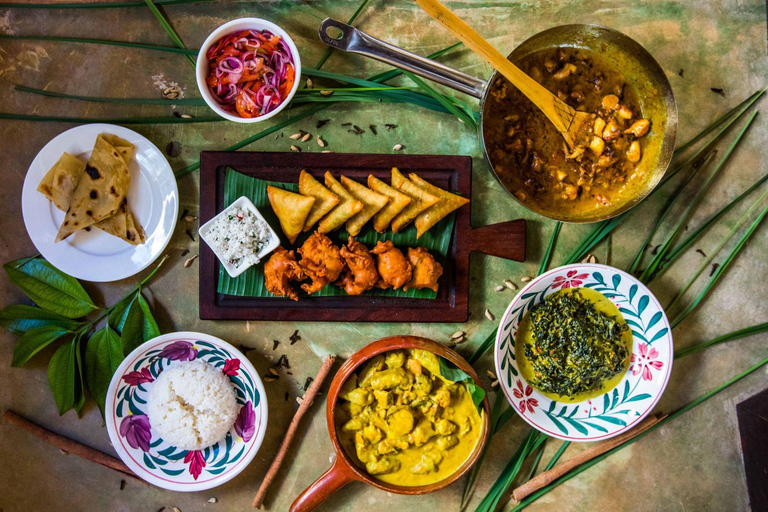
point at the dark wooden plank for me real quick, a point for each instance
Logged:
(752, 414)
(449, 172)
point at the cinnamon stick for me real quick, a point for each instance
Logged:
(309, 397)
(70, 446)
(547, 477)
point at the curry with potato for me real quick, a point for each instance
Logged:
(405, 424)
(530, 156)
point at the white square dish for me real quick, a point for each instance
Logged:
(246, 204)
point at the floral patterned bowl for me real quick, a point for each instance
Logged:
(155, 460)
(633, 398)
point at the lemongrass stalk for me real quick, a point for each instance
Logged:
(329, 50)
(676, 251)
(169, 29)
(498, 403)
(536, 460)
(720, 270)
(196, 102)
(550, 248)
(557, 455)
(463, 118)
(95, 5)
(484, 347)
(666, 210)
(536, 495)
(116, 120)
(651, 269)
(140, 46)
(714, 253)
(747, 331)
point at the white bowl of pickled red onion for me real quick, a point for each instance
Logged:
(248, 70)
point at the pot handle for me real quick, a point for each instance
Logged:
(330, 482)
(354, 41)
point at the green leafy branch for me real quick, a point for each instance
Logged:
(88, 357)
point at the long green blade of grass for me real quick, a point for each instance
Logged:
(536, 495)
(115, 120)
(714, 253)
(169, 29)
(557, 455)
(666, 210)
(439, 97)
(141, 46)
(498, 402)
(607, 226)
(550, 248)
(677, 251)
(484, 347)
(98, 99)
(720, 270)
(652, 268)
(329, 50)
(95, 5)
(741, 333)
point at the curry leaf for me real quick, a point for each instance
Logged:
(50, 288)
(119, 313)
(139, 325)
(18, 319)
(103, 354)
(62, 375)
(34, 341)
(79, 382)
(453, 373)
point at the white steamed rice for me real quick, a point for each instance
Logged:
(192, 405)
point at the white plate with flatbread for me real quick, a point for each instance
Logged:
(94, 255)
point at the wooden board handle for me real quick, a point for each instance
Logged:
(503, 240)
(331, 481)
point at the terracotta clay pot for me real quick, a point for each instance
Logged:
(344, 470)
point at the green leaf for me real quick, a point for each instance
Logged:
(32, 342)
(139, 325)
(18, 319)
(119, 313)
(79, 383)
(62, 376)
(50, 288)
(103, 354)
(453, 373)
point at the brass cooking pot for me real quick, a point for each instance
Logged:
(624, 53)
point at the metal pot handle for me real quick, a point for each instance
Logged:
(355, 41)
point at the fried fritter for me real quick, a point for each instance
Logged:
(360, 274)
(321, 262)
(393, 268)
(426, 271)
(279, 270)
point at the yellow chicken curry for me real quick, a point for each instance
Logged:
(404, 423)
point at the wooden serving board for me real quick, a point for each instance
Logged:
(454, 173)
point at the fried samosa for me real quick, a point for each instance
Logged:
(397, 202)
(372, 201)
(431, 216)
(347, 207)
(325, 200)
(421, 200)
(291, 209)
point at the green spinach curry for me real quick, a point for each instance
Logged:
(574, 345)
(404, 423)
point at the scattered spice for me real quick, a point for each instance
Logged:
(296, 136)
(489, 315)
(525, 279)
(398, 147)
(173, 149)
(286, 396)
(270, 378)
(457, 335)
(184, 252)
(295, 337)
(283, 362)
(296, 149)
(307, 383)
(372, 127)
(279, 136)
(680, 73)
(701, 252)
(190, 260)
(190, 235)
(190, 218)
(172, 92)
(214, 500)
(275, 343)
(186, 211)
(326, 93)
(491, 375)
(714, 269)
(306, 137)
(242, 348)
(500, 288)
(509, 284)
(177, 114)
(655, 250)
(309, 83)
(346, 124)
(327, 151)
(592, 259)
(321, 123)
(390, 126)
(321, 142)
(185, 116)
(273, 371)
(718, 90)
(122, 484)
(356, 130)
(247, 326)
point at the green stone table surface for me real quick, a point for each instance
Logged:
(693, 463)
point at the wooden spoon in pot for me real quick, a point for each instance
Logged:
(566, 120)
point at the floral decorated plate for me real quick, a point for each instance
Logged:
(155, 460)
(638, 392)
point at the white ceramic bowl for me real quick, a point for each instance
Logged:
(246, 204)
(154, 459)
(622, 407)
(202, 67)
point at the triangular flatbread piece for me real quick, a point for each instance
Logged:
(100, 190)
(291, 209)
(372, 203)
(431, 216)
(421, 200)
(397, 202)
(60, 182)
(325, 200)
(347, 207)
